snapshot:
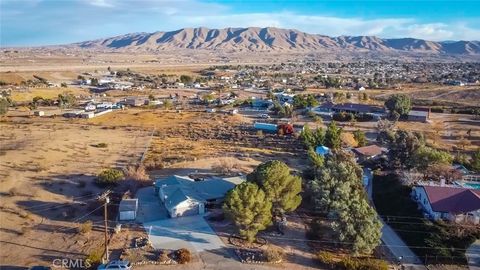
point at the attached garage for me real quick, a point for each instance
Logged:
(128, 210)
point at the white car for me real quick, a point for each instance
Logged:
(265, 116)
(118, 265)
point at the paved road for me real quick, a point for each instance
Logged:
(473, 256)
(391, 239)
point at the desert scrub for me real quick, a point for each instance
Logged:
(85, 227)
(183, 256)
(273, 254)
(100, 145)
(109, 177)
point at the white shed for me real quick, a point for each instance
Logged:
(128, 209)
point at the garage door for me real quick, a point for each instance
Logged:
(187, 211)
(127, 215)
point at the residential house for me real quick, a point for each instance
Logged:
(183, 196)
(356, 108)
(456, 204)
(369, 152)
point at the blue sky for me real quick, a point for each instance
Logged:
(45, 22)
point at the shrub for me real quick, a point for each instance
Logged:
(350, 263)
(137, 174)
(100, 145)
(109, 176)
(343, 117)
(85, 227)
(326, 258)
(363, 264)
(95, 256)
(273, 254)
(183, 256)
(14, 192)
(163, 256)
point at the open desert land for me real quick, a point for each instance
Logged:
(49, 164)
(47, 188)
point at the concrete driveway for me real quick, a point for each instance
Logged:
(192, 232)
(185, 232)
(150, 208)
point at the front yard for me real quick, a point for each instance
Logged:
(433, 242)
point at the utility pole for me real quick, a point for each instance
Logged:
(104, 197)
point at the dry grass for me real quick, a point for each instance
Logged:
(47, 93)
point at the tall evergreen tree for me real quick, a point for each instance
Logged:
(334, 181)
(357, 224)
(280, 186)
(337, 191)
(360, 138)
(333, 136)
(249, 208)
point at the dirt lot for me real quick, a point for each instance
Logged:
(46, 185)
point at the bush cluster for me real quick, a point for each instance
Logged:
(273, 254)
(109, 177)
(350, 263)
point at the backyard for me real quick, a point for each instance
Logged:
(433, 242)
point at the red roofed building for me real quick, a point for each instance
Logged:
(449, 203)
(368, 152)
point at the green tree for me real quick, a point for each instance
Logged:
(333, 136)
(316, 159)
(281, 187)
(337, 191)
(186, 79)
(425, 156)
(475, 163)
(167, 104)
(66, 100)
(357, 223)
(4, 104)
(307, 137)
(249, 208)
(399, 104)
(339, 176)
(93, 81)
(402, 148)
(360, 138)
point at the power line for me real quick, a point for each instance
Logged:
(47, 203)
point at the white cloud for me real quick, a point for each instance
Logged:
(335, 26)
(101, 3)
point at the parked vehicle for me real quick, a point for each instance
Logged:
(120, 265)
(284, 129)
(265, 116)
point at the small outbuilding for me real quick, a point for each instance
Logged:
(128, 209)
(418, 116)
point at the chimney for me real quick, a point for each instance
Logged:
(442, 182)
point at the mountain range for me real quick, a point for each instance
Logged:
(270, 39)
